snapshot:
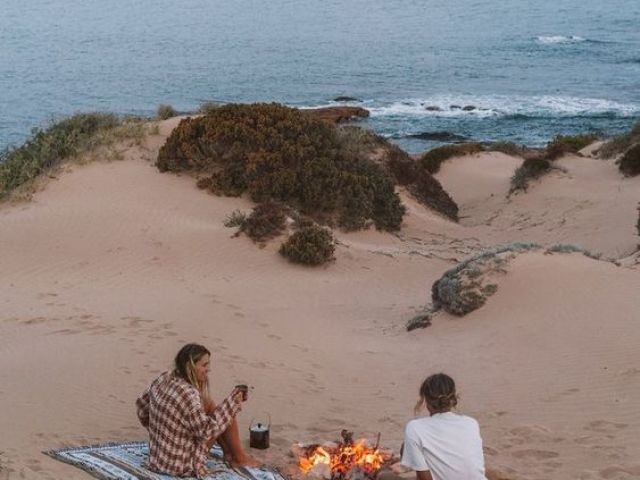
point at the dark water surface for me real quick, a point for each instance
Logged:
(530, 69)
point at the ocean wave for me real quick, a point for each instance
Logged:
(555, 39)
(467, 106)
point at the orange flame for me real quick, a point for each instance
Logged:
(344, 458)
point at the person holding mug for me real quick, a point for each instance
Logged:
(184, 422)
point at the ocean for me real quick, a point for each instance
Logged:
(525, 71)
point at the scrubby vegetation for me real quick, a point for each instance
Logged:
(275, 152)
(563, 144)
(530, 169)
(629, 164)
(422, 320)
(508, 148)
(311, 245)
(539, 163)
(621, 143)
(432, 160)
(405, 170)
(467, 286)
(47, 148)
(166, 111)
(429, 191)
(208, 107)
(266, 221)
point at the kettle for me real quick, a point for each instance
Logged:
(259, 434)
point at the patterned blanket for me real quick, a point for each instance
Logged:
(125, 461)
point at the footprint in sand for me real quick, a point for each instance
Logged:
(33, 465)
(534, 454)
(34, 321)
(621, 472)
(603, 426)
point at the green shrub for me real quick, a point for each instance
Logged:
(266, 221)
(311, 245)
(236, 218)
(467, 286)
(630, 162)
(428, 191)
(563, 144)
(47, 148)
(165, 112)
(530, 169)
(432, 160)
(276, 152)
(404, 169)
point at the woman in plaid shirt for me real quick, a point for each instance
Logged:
(182, 420)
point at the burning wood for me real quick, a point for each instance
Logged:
(347, 460)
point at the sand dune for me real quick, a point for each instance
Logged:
(589, 204)
(113, 266)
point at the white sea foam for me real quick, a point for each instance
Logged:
(502, 105)
(553, 39)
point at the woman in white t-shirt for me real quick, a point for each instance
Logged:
(444, 445)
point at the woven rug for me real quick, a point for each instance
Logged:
(125, 461)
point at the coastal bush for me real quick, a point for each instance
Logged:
(629, 164)
(563, 144)
(422, 320)
(47, 148)
(208, 107)
(311, 245)
(467, 286)
(403, 168)
(530, 169)
(428, 191)
(236, 218)
(165, 112)
(508, 148)
(266, 221)
(432, 160)
(619, 144)
(276, 152)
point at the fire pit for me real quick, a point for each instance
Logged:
(344, 460)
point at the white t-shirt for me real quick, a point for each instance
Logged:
(447, 444)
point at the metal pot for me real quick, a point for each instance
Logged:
(259, 434)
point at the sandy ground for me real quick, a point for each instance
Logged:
(113, 266)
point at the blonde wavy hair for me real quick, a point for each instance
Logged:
(185, 368)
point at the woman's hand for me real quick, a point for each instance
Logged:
(239, 394)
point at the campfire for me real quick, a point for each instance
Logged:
(346, 460)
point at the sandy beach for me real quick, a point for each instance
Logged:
(112, 266)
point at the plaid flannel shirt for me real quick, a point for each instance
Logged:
(179, 428)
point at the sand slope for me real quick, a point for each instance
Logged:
(113, 266)
(589, 204)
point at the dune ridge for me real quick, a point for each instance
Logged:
(112, 266)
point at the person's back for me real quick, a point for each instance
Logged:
(444, 445)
